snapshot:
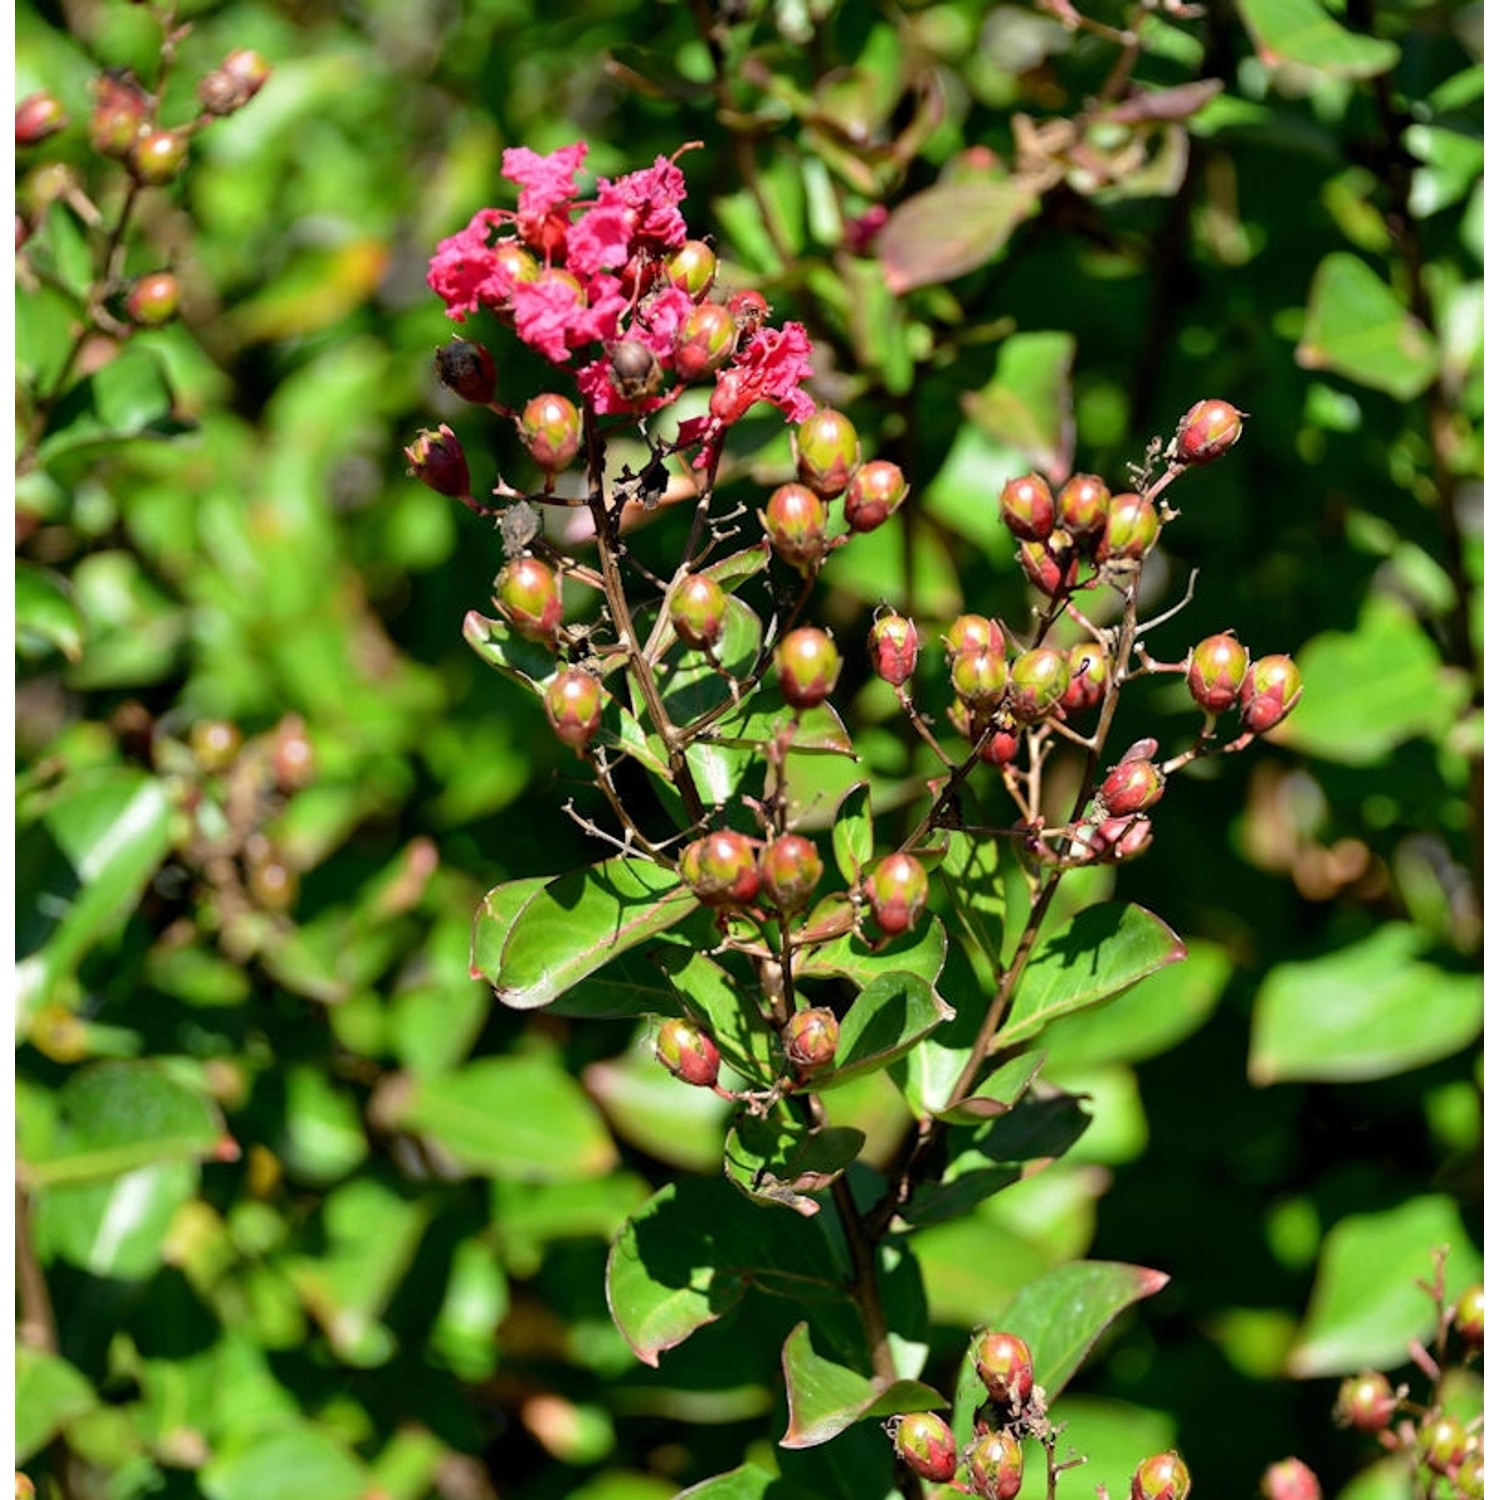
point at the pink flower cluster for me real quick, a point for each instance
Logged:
(580, 279)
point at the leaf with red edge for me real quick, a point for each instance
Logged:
(945, 231)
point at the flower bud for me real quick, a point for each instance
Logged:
(995, 1466)
(158, 156)
(894, 642)
(1209, 430)
(551, 428)
(697, 611)
(1038, 680)
(634, 370)
(925, 1444)
(1468, 1317)
(1163, 1476)
(215, 743)
(574, 701)
(796, 522)
(468, 370)
(1131, 528)
(705, 341)
(1051, 568)
(1443, 1443)
(1027, 508)
(721, 868)
(687, 1053)
(1003, 1362)
(1082, 505)
(1116, 840)
(1269, 692)
(38, 116)
(1001, 747)
(810, 1039)
(1469, 1481)
(979, 678)
(1290, 1479)
(897, 892)
(1366, 1402)
(807, 666)
(121, 112)
(790, 870)
(437, 459)
(875, 492)
(292, 761)
(234, 83)
(153, 299)
(1088, 676)
(1216, 670)
(691, 268)
(1132, 787)
(528, 595)
(827, 449)
(517, 265)
(974, 633)
(271, 884)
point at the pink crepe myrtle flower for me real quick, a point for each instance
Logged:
(547, 190)
(551, 319)
(771, 367)
(649, 198)
(465, 271)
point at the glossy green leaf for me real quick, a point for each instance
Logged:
(518, 1117)
(1365, 1305)
(731, 1011)
(47, 619)
(524, 661)
(731, 571)
(780, 1158)
(890, 1016)
(1369, 1010)
(1306, 32)
(1113, 1434)
(127, 398)
(691, 683)
(748, 1482)
(971, 876)
(116, 1226)
(1387, 1479)
(475, 1301)
(854, 832)
(1028, 401)
(1357, 328)
(50, 1393)
(921, 952)
(943, 232)
(1100, 953)
(999, 1092)
(536, 938)
(761, 717)
(296, 1458)
(824, 1397)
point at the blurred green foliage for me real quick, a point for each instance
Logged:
(303, 1210)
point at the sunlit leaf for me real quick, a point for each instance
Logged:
(1306, 32)
(943, 232)
(824, 1397)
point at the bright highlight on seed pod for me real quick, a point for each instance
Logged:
(897, 892)
(807, 667)
(687, 1053)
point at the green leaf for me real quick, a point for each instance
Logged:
(1366, 691)
(128, 398)
(47, 619)
(730, 1011)
(50, 1393)
(294, 1459)
(890, 1016)
(1028, 401)
(510, 1117)
(854, 832)
(999, 1092)
(524, 661)
(729, 572)
(779, 1158)
(114, 1227)
(81, 870)
(972, 877)
(1100, 953)
(824, 1397)
(1365, 1305)
(534, 939)
(1303, 31)
(1357, 328)
(943, 232)
(689, 1256)
(921, 952)
(1369, 1010)
(654, 1112)
(630, 985)
(748, 1482)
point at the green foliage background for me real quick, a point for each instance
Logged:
(377, 1294)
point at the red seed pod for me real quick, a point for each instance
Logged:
(272, 884)
(158, 156)
(38, 116)
(1003, 1362)
(153, 299)
(574, 701)
(1038, 680)
(528, 595)
(519, 265)
(1290, 1479)
(875, 493)
(807, 666)
(687, 1053)
(234, 83)
(1130, 529)
(1082, 505)
(1443, 1443)
(1365, 1402)
(468, 370)
(1270, 691)
(1001, 747)
(722, 869)
(894, 643)
(691, 268)
(1088, 675)
(897, 892)
(925, 1444)
(1051, 568)
(796, 522)
(1028, 509)
(974, 633)
(810, 1039)
(1209, 430)
(122, 110)
(437, 459)
(1216, 670)
(1468, 1317)
(1116, 840)
(697, 611)
(827, 449)
(995, 1466)
(790, 870)
(1163, 1476)
(551, 429)
(979, 678)
(705, 341)
(1132, 787)
(1469, 1481)
(292, 761)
